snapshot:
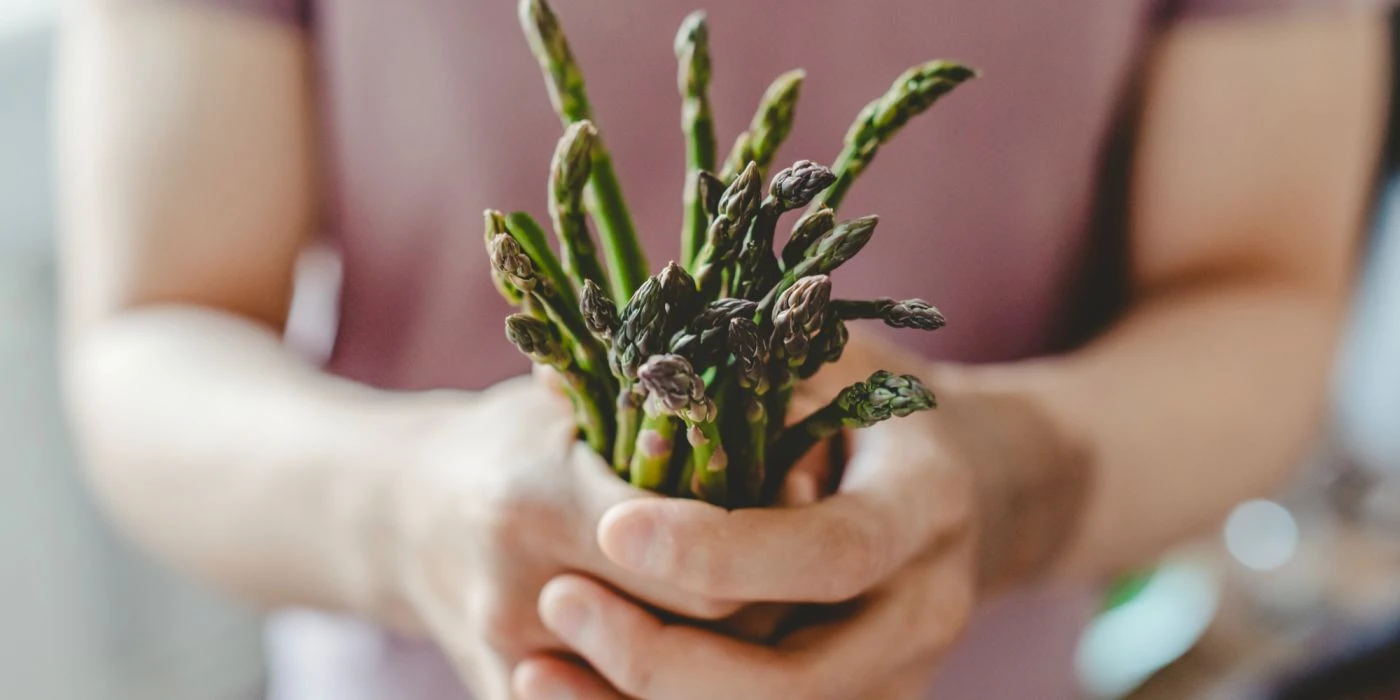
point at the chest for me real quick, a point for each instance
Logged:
(435, 110)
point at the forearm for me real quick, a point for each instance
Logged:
(226, 455)
(1203, 395)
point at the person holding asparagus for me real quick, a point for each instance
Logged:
(1090, 412)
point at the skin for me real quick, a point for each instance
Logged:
(1253, 168)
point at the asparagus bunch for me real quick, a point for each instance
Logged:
(682, 379)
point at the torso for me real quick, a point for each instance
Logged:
(435, 110)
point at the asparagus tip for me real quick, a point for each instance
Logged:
(797, 184)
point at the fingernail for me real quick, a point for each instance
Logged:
(569, 616)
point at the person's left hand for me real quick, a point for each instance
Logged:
(898, 540)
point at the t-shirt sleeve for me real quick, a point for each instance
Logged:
(292, 12)
(1223, 8)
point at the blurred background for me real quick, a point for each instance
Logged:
(1308, 581)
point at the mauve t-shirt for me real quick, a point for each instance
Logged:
(432, 110)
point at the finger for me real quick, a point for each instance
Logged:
(888, 507)
(877, 645)
(546, 677)
(803, 484)
(642, 657)
(601, 489)
(924, 608)
(894, 637)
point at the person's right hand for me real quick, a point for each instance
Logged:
(497, 499)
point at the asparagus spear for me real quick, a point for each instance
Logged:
(568, 174)
(799, 314)
(792, 188)
(770, 126)
(710, 189)
(599, 313)
(704, 340)
(651, 457)
(564, 81)
(495, 225)
(642, 332)
(913, 92)
(827, 347)
(809, 231)
(542, 343)
(681, 295)
(531, 238)
(693, 56)
(910, 313)
(740, 155)
(861, 405)
(673, 388)
(831, 252)
(737, 208)
(750, 351)
(512, 263)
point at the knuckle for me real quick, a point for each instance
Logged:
(857, 556)
(524, 520)
(503, 624)
(712, 573)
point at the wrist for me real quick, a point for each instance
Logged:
(1031, 476)
(388, 520)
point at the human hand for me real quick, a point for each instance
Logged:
(904, 540)
(498, 499)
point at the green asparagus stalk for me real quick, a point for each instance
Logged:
(798, 316)
(641, 333)
(913, 92)
(599, 313)
(831, 252)
(682, 297)
(809, 231)
(910, 313)
(861, 405)
(514, 264)
(800, 313)
(697, 122)
(750, 351)
(770, 126)
(531, 238)
(650, 464)
(673, 388)
(601, 317)
(542, 343)
(496, 225)
(564, 80)
(740, 155)
(704, 340)
(827, 347)
(792, 188)
(710, 189)
(737, 208)
(568, 175)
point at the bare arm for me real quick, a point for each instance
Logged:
(188, 193)
(1251, 188)
(1253, 170)
(187, 185)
